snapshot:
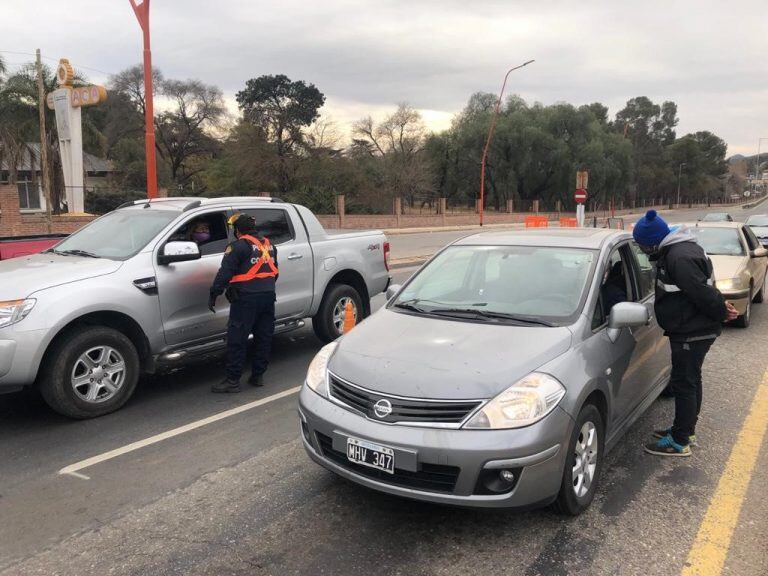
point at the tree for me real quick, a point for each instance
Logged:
(184, 133)
(282, 109)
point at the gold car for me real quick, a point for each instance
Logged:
(740, 263)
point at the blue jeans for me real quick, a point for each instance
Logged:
(250, 314)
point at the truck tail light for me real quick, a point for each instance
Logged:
(386, 255)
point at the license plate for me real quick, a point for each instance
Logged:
(371, 455)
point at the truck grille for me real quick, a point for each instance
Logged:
(431, 477)
(402, 409)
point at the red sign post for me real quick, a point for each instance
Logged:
(141, 9)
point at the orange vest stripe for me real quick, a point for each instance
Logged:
(264, 259)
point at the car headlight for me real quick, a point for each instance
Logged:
(730, 284)
(525, 402)
(12, 311)
(317, 374)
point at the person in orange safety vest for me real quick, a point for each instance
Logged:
(248, 276)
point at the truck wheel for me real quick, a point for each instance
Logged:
(328, 323)
(583, 464)
(91, 372)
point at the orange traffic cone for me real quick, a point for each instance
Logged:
(349, 318)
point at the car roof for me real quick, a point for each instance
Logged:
(182, 203)
(589, 238)
(703, 224)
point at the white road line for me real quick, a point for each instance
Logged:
(72, 469)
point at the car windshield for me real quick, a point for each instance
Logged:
(117, 235)
(719, 241)
(515, 284)
(716, 217)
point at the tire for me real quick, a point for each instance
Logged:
(760, 296)
(66, 383)
(575, 496)
(328, 323)
(744, 320)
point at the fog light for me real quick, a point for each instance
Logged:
(507, 476)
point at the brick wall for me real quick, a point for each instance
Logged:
(14, 223)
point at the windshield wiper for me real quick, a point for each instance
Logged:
(76, 253)
(458, 312)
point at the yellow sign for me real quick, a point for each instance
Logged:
(80, 96)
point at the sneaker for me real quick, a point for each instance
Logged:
(667, 447)
(256, 380)
(668, 432)
(225, 387)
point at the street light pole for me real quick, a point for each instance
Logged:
(679, 175)
(490, 136)
(141, 9)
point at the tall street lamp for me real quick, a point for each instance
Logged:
(141, 9)
(490, 136)
(679, 175)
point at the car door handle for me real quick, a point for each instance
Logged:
(295, 256)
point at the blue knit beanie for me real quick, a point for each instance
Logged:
(650, 230)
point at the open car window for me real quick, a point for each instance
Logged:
(208, 231)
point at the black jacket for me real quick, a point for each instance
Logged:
(688, 306)
(238, 260)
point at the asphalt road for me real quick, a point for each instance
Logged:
(239, 496)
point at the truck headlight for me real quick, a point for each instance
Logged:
(525, 402)
(317, 374)
(730, 284)
(12, 311)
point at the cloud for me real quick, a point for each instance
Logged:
(707, 56)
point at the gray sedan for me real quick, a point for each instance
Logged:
(499, 375)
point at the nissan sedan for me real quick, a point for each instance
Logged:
(499, 375)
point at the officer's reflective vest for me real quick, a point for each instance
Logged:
(263, 266)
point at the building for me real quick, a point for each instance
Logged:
(29, 177)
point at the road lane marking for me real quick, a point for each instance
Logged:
(73, 469)
(710, 549)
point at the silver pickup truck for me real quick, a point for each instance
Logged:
(127, 294)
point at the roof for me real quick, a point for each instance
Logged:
(589, 238)
(189, 202)
(703, 224)
(30, 161)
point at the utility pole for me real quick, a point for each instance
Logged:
(46, 172)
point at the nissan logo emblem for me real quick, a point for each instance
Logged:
(382, 408)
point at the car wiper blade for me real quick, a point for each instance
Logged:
(77, 253)
(412, 305)
(461, 312)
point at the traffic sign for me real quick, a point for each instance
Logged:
(580, 196)
(582, 179)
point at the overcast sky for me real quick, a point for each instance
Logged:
(711, 58)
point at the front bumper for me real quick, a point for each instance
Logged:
(20, 353)
(739, 299)
(446, 466)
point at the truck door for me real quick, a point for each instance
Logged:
(295, 286)
(183, 287)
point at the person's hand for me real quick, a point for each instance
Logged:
(212, 303)
(732, 312)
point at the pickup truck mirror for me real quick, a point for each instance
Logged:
(392, 290)
(178, 252)
(627, 315)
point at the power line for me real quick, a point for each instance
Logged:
(55, 60)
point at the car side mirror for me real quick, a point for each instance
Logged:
(627, 315)
(178, 252)
(392, 290)
(759, 253)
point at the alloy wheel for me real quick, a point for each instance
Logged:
(585, 459)
(98, 374)
(339, 313)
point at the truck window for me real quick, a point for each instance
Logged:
(208, 231)
(273, 223)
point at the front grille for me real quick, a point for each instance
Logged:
(403, 409)
(431, 477)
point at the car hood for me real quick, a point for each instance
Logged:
(426, 357)
(727, 266)
(23, 276)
